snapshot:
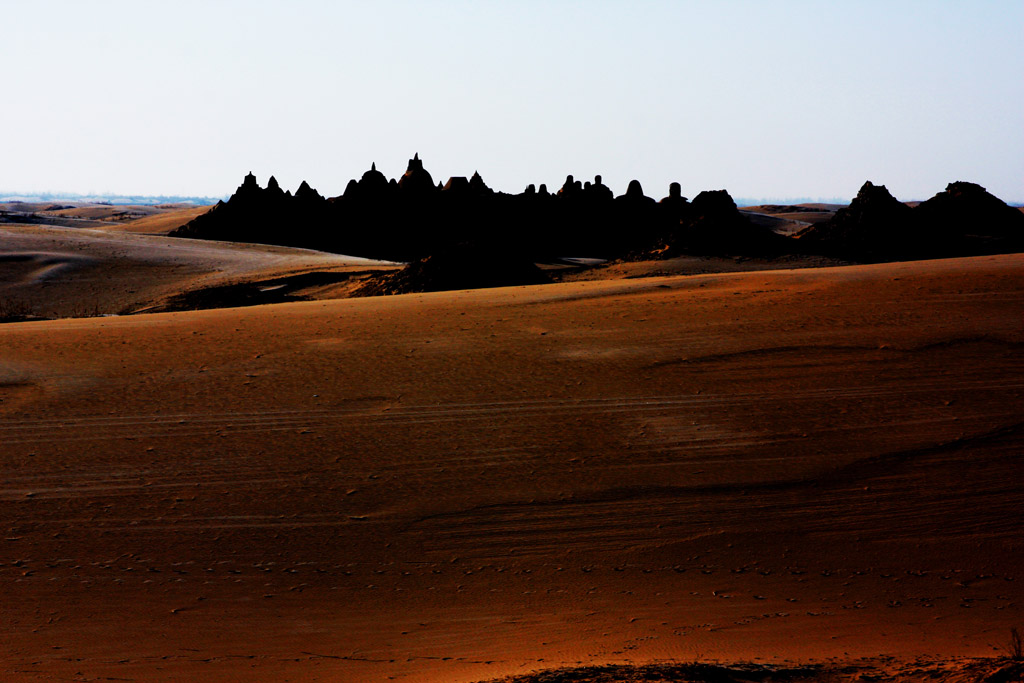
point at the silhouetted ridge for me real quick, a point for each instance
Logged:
(373, 185)
(412, 218)
(307, 194)
(963, 220)
(712, 225)
(256, 214)
(875, 226)
(635, 193)
(477, 184)
(417, 180)
(675, 203)
(458, 185)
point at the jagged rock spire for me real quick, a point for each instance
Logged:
(307, 193)
(372, 184)
(478, 184)
(248, 188)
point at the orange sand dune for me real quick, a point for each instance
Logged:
(148, 219)
(769, 466)
(161, 223)
(155, 220)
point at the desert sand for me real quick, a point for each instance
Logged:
(160, 223)
(781, 467)
(150, 219)
(59, 271)
(788, 219)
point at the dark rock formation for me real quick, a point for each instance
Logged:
(249, 186)
(965, 220)
(255, 214)
(417, 180)
(462, 266)
(675, 204)
(307, 195)
(477, 184)
(570, 187)
(371, 186)
(273, 189)
(635, 193)
(413, 218)
(409, 219)
(458, 185)
(712, 225)
(875, 226)
(599, 191)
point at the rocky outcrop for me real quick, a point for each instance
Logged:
(372, 186)
(477, 184)
(675, 204)
(417, 180)
(963, 220)
(599, 191)
(256, 214)
(875, 226)
(712, 225)
(307, 195)
(412, 218)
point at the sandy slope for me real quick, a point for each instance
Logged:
(771, 466)
(689, 265)
(786, 222)
(161, 223)
(147, 219)
(59, 271)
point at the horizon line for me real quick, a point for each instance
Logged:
(53, 195)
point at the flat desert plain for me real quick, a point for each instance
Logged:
(815, 465)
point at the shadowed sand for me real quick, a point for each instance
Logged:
(768, 466)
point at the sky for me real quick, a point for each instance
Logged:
(770, 100)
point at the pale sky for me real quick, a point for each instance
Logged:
(765, 99)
